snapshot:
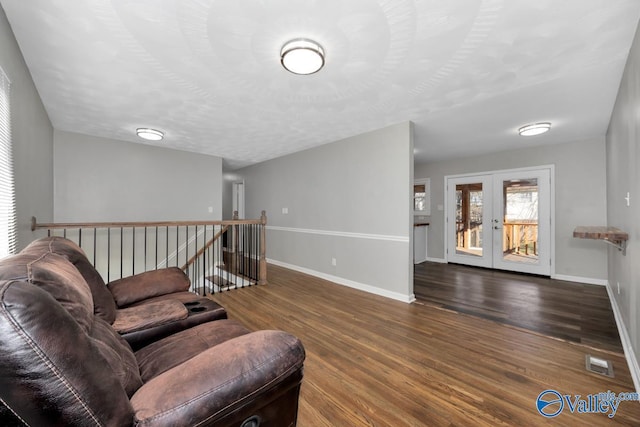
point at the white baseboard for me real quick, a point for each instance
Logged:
(578, 279)
(629, 354)
(438, 260)
(346, 282)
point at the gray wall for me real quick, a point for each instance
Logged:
(32, 136)
(623, 175)
(580, 199)
(348, 200)
(98, 179)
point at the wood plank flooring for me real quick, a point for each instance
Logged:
(574, 312)
(372, 361)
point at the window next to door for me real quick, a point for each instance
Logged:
(422, 197)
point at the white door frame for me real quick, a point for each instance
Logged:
(552, 228)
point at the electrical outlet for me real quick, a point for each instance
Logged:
(334, 262)
(285, 211)
(210, 209)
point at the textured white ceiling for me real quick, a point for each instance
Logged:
(207, 72)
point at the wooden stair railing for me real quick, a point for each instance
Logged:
(119, 249)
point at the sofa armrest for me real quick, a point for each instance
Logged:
(132, 289)
(219, 380)
(150, 315)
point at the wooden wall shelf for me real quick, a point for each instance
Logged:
(611, 235)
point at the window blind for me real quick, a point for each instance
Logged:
(7, 187)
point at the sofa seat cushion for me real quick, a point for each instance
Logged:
(131, 289)
(149, 315)
(201, 310)
(163, 355)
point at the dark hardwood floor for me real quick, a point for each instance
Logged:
(574, 312)
(372, 361)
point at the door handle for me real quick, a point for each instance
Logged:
(495, 227)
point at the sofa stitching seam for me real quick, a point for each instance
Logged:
(13, 412)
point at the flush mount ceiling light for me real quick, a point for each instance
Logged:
(534, 129)
(302, 56)
(149, 134)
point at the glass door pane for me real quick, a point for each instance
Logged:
(520, 220)
(469, 215)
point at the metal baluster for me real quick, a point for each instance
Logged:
(145, 248)
(121, 249)
(204, 262)
(186, 243)
(108, 253)
(133, 251)
(253, 252)
(156, 260)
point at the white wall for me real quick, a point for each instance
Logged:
(98, 179)
(349, 200)
(580, 186)
(623, 175)
(32, 136)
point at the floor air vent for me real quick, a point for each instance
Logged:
(599, 366)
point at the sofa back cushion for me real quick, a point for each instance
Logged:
(51, 370)
(103, 302)
(55, 275)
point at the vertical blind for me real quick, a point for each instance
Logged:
(7, 187)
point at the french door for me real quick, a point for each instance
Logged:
(501, 220)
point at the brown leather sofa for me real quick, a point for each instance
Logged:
(143, 308)
(62, 363)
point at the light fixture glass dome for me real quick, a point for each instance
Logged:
(302, 56)
(534, 129)
(149, 134)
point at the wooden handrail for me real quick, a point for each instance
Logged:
(51, 225)
(225, 224)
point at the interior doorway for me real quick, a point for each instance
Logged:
(238, 198)
(501, 220)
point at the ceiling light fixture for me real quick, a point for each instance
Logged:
(302, 56)
(534, 129)
(149, 134)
